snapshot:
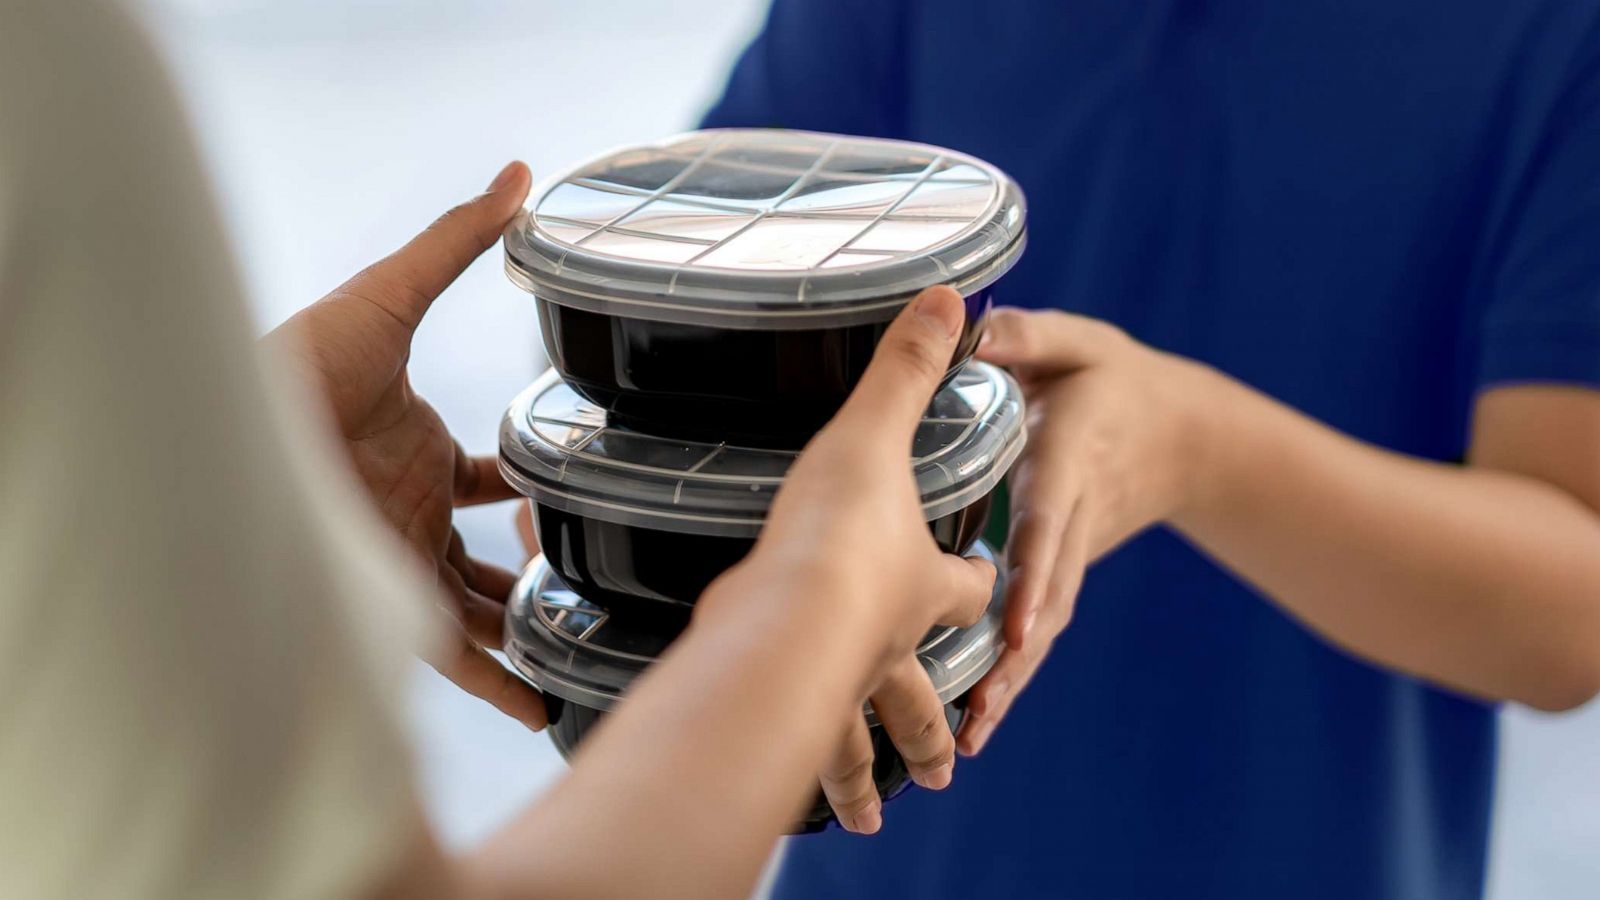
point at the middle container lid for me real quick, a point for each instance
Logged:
(561, 451)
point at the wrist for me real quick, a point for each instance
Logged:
(801, 600)
(769, 590)
(1204, 437)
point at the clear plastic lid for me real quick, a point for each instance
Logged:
(573, 649)
(558, 449)
(760, 228)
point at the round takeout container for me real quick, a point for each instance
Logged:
(584, 659)
(732, 284)
(642, 524)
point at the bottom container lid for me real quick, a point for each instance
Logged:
(566, 646)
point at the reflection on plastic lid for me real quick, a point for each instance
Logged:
(560, 450)
(779, 227)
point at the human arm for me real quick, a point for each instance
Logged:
(689, 783)
(1483, 577)
(204, 628)
(1405, 549)
(354, 346)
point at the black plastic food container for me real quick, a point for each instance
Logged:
(584, 659)
(641, 524)
(731, 285)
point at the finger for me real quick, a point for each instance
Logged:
(1072, 560)
(478, 480)
(481, 577)
(483, 619)
(847, 780)
(530, 538)
(406, 282)
(968, 583)
(481, 675)
(913, 716)
(991, 698)
(1049, 340)
(491, 582)
(907, 366)
(1031, 549)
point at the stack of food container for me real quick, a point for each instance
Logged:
(707, 303)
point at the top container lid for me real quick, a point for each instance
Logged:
(560, 450)
(573, 649)
(759, 228)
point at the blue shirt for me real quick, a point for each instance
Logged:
(1370, 210)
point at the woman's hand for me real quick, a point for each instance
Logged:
(716, 749)
(355, 344)
(848, 523)
(1115, 437)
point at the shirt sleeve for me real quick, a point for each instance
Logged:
(821, 65)
(1542, 319)
(203, 629)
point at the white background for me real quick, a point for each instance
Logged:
(334, 129)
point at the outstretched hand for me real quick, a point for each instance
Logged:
(1112, 449)
(355, 344)
(848, 523)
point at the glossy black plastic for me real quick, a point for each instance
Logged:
(772, 388)
(569, 722)
(648, 571)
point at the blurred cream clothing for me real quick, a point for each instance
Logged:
(202, 628)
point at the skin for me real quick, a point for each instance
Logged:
(1484, 578)
(754, 700)
(793, 636)
(354, 345)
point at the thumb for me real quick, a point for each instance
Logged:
(908, 364)
(1046, 340)
(968, 582)
(406, 282)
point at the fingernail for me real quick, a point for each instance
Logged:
(981, 737)
(868, 821)
(504, 179)
(940, 313)
(936, 779)
(1027, 622)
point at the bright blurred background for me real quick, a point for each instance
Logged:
(334, 129)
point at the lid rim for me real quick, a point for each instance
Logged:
(771, 293)
(657, 307)
(936, 651)
(562, 473)
(943, 505)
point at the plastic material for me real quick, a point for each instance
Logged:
(584, 659)
(765, 388)
(648, 571)
(564, 452)
(732, 285)
(766, 229)
(640, 523)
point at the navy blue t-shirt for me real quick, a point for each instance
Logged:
(1370, 210)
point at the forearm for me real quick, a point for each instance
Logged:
(687, 786)
(1485, 580)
